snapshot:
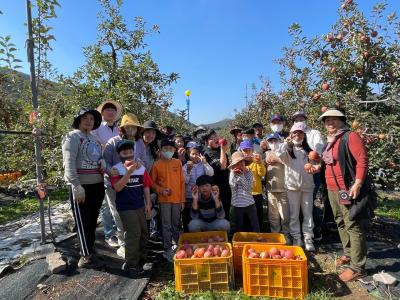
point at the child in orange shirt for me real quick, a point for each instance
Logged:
(169, 184)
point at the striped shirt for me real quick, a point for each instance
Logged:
(241, 186)
(206, 210)
(197, 170)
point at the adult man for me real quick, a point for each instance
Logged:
(217, 157)
(110, 111)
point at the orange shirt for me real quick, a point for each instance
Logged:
(167, 174)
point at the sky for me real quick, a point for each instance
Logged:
(216, 46)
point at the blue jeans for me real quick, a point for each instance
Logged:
(107, 220)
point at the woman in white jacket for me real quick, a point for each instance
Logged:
(299, 184)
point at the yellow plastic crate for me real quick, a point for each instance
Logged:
(194, 275)
(242, 238)
(201, 237)
(280, 278)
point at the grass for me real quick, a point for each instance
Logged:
(169, 293)
(388, 205)
(29, 205)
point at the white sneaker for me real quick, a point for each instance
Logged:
(112, 242)
(309, 245)
(121, 252)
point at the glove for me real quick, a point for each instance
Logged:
(78, 192)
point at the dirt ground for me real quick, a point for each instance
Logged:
(322, 272)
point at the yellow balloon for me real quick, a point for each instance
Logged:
(188, 93)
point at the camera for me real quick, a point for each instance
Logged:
(344, 197)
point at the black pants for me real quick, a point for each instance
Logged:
(259, 199)
(86, 214)
(251, 213)
(186, 218)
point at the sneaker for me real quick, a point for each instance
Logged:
(86, 262)
(168, 254)
(121, 252)
(174, 247)
(133, 271)
(112, 242)
(145, 265)
(298, 242)
(288, 239)
(309, 245)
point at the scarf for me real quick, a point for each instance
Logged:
(327, 155)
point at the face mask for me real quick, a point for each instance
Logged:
(168, 154)
(277, 127)
(130, 131)
(124, 159)
(303, 123)
(297, 143)
(274, 146)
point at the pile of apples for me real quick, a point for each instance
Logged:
(213, 239)
(273, 253)
(202, 251)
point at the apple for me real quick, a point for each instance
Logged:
(225, 253)
(329, 37)
(199, 252)
(282, 252)
(313, 155)
(208, 254)
(189, 252)
(251, 250)
(217, 252)
(210, 248)
(339, 37)
(333, 70)
(360, 73)
(264, 254)
(253, 255)
(273, 251)
(381, 136)
(223, 142)
(289, 254)
(325, 86)
(355, 124)
(324, 109)
(366, 54)
(181, 254)
(374, 33)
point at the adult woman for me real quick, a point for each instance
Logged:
(151, 135)
(128, 130)
(83, 165)
(346, 166)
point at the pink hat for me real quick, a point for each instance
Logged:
(298, 127)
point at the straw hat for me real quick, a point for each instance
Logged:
(111, 103)
(130, 119)
(237, 157)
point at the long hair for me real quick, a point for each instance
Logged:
(306, 147)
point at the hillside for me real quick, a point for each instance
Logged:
(218, 125)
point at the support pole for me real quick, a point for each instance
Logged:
(35, 105)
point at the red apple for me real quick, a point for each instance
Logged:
(374, 33)
(324, 109)
(225, 253)
(223, 142)
(264, 254)
(273, 251)
(325, 86)
(329, 37)
(181, 254)
(313, 155)
(333, 70)
(289, 254)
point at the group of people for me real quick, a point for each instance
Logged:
(143, 178)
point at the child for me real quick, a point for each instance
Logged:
(169, 184)
(207, 211)
(133, 202)
(278, 206)
(256, 166)
(241, 183)
(299, 185)
(193, 169)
